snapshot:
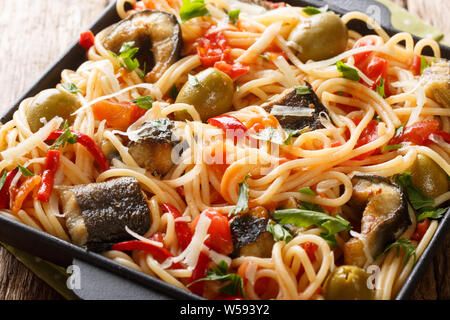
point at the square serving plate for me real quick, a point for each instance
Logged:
(102, 278)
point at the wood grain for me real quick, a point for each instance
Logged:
(36, 33)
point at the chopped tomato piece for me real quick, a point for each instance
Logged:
(234, 71)
(369, 134)
(310, 249)
(276, 5)
(421, 228)
(87, 40)
(359, 57)
(417, 133)
(219, 232)
(117, 114)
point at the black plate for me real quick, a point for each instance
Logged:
(102, 278)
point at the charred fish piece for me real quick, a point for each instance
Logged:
(384, 217)
(297, 109)
(97, 213)
(250, 236)
(151, 145)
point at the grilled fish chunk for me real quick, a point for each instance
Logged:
(97, 213)
(436, 81)
(384, 217)
(250, 236)
(296, 111)
(151, 145)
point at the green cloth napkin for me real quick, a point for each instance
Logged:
(56, 277)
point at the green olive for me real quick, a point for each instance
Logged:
(210, 92)
(49, 104)
(347, 283)
(322, 37)
(428, 176)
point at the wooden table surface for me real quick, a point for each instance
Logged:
(36, 32)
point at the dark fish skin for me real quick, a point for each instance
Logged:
(152, 144)
(385, 216)
(290, 98)
(249, 235)
(107, 208)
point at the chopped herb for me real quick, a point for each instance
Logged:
(126, 54)
(410, 249)
(399, 131)
(380, 88)
(311, 206)
(423, 64)
(347, 72)
(193, 80)
(306, 218)
(307, 190)
(264, 57)
(302, 90)
(310, 11)
(242, 203)
(269, 134)
(127, 47)
(66, 138)
(25, 171)
(3, 179)
(69, 86)
(173, 92)
(432, 214)
(416, 197)
(233, 15)
(220, 273)
(193, 8)
(142, 73)
(278, 232)
(145, 102)
(390, 147)
(294, 133)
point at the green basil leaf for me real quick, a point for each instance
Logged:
(233, 15)
(347, 72)
(432, 214)
(145, 102)
(25, 171)
(192, 9)
(416, 197)
(410, 249)
(278, 232)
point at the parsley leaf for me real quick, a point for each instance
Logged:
(142, 73)
(347, 72)
(432, 214)
(126, 54)
(416, 197)
(307, 190)
(294, 133)
(145, 102)
(173, 92)
(69, 86)
(306, 218)
(410, 249)
(278, 232)
(220, 273)
(390, 147)
(193, 8)
(302, 90)
(66, 138)
(25, 171)
(242, 204)
(380, 88)
(310, 11)
(3, 179)
(423, 64)
(233, 15)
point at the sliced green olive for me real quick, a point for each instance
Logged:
(428, 176)
(347, 283)
(210, 92)
(322, 37)
(49, 104)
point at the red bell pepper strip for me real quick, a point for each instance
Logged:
(161, 254)
(182, 228)
(87, 39)
(4, 192)
(229, 124)
(200, 271)
(48, 177)
(89, 144)
(421, 228)
(415, 67)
